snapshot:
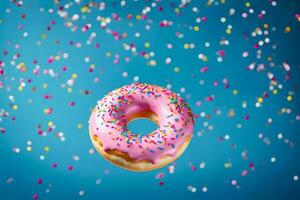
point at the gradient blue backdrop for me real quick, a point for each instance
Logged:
(267, 181)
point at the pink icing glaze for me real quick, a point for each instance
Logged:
(109, 121)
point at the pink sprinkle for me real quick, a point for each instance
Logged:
(36, 71)
(159, 175)
(54, 165)
(194, 168)
(35, 196)
(40, 181)
(47, 96)
(2, 130)
(204, 69)
(221, 53)
(209, 98)
(40, 132)
(50, 60)
(260, 15)
(115, 16)
(70, 167)
(247, 117)
(251, 165)
(244, 172)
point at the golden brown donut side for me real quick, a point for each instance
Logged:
(123, 160)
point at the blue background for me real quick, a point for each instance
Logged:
(268, 180)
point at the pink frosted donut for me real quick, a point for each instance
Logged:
(111, 137)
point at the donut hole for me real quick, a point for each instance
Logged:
(142, 126)
(142, 121)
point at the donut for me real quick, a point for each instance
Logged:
(133, 151)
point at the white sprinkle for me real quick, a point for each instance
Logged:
(136, 78)
(296, 178)
(204, 189)
(81, 192)
(273, 159)
(98, 181)
(202, 165)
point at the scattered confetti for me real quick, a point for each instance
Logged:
(235, 62)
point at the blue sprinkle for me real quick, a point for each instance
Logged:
(160, 148)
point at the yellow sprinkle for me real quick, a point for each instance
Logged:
(227, 165)
(205, 59)
(283, 110)
(108, 54)
(74, 75)
(147, 56)
(46, 148)
(15, 107)
(275, 91)
(247, 4)
(228, 31)
(231, 113)
(84, 9)
(186, 46)
(107, 20)
(92, 66)
(29, 148)
(196, 28)
(287, 29)
(209, 2)
(79, 125)
(20, 88)
(147, 44)
(69, 90)
(44, 36)
(45, 85)
(176, 69)
(260, 100)
(235, 92)
(50, 123)
(152, 63)
(289, 98)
